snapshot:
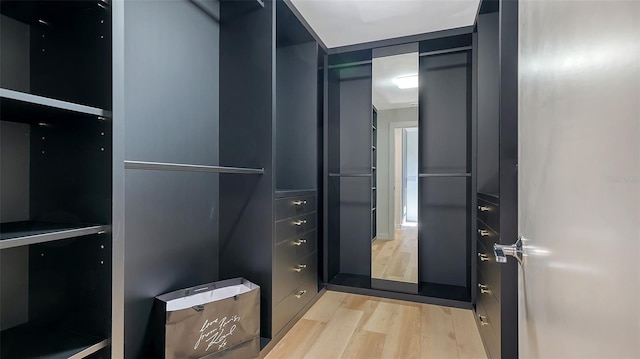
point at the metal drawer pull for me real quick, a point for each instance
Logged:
(483, 320)
(299, 203)
(300, 268)
(300, 242)
(299, 223)
(483, 288)
(484, 208)
(301, 293)
(483, 232)
(483, 257)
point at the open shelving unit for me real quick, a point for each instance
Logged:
(55, 176)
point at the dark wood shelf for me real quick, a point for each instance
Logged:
(23, 233)
(33, 341)
(27, 108)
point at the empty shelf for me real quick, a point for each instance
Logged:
(33, 341)
(16, 234)
(27, 108)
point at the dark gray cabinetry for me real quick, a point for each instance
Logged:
(55, 178)
(497, 209)
(216, 109)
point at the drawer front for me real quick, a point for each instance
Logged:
(487, 332)
(487, 236)
(294, 206)
(489, 271)
(489, 213)
(290, 306)
(295, 226)
(305, 243)
(490, 303)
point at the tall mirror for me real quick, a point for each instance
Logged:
(394, 245)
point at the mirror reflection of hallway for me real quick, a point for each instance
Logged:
(394, 246)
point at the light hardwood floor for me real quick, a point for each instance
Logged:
(342, 325)
(396, 259)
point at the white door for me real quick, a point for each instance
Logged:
(579, 179)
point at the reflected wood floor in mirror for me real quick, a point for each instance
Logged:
(350, 326)
(396, 259)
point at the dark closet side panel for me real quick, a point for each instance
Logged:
(444, 233)
(171, 60)
(355, 192)
(246, 111)
(332, 150)
(488, 102)
(171, 244)
(296, 116)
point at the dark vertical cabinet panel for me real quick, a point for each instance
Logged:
(170, 115)
(14, 58)
(488, 92)
(172, 243)
(444, 233)
(296, 114)
(444, 114)
(445, 149)
(247, 108)
(355, 124)
(332, 163)
(355, 157)
(172, 62)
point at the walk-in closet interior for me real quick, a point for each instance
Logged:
(151, 146)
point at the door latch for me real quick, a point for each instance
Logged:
(514, 250)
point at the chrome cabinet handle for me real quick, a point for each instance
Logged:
(483, 288)
(299, 223)
(483, 232)
(483, 257)
(300, 268)
(483, 320)
(299, 203)
(299, 242)
(301, 293)
(484, 208)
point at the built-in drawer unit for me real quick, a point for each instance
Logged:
(295, 226)
(294, 301)
(291, 267)
(295, 276)
(489, 211)
(294, 206)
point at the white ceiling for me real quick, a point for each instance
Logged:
(348, 22)
(386, 94)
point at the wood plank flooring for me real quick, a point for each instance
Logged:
(396, 259)
(351, 326)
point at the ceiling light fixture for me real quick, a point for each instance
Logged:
(406, 81)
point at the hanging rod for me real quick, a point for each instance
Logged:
(444, 175)
(348, 64)
(447, 51)
(181, 167)
(349, 174)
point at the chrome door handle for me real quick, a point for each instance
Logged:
(299, 223)
(483, 208)
(301, 293)
(483, 232)
(300, 268)
(514, 250)
(483, 288)
(299, 203)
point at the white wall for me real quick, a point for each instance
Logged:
(387, 118)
